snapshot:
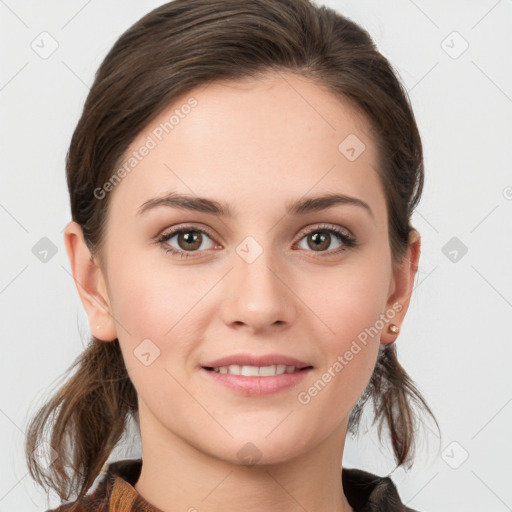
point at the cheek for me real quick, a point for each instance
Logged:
(350, 303)
(349, 300)
(344, 305)
(144, 307)
(149, 299)
(157, 309)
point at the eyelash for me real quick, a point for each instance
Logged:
(347, 241)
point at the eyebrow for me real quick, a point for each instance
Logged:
(301, 206)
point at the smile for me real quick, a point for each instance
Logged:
(256, 371)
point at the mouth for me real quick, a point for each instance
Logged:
(256, 371)
(251, 375)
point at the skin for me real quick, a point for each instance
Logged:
(255, 144)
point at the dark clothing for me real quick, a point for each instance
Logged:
(115, 492)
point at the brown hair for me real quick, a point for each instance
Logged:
(173, 49)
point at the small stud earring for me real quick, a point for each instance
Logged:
(394, 329)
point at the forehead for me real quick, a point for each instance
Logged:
(250, 142)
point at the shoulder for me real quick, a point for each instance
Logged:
(113, 489)
(96, 500)
(367, 492)
(88, 503)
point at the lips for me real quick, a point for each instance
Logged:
(254, 360)
(256, 376)
(250, 375)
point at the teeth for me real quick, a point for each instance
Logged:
(255, 371)
(266, 371)
(281, 368)
(248, 371)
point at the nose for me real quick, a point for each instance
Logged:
(257, 295)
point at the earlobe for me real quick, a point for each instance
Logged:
(402, 285)
(90, 283)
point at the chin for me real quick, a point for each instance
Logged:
(261, 451)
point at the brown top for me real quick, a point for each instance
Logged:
(116, 492)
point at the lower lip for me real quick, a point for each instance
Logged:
(257, 386)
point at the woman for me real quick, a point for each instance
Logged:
(242, 180)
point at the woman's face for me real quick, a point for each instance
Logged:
(269, 276)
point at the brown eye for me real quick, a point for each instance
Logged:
(319, 239)
(188, 240)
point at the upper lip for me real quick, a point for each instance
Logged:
(253, 360)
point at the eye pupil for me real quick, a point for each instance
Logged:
(188, 238)
(319, 240)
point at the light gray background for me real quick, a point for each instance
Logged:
(455, 342)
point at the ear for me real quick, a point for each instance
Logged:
(401, 287)
(90, 283)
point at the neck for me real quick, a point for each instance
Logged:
(177, 476)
